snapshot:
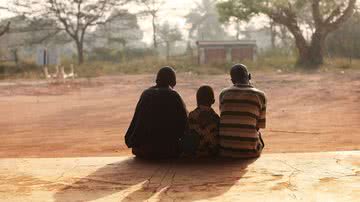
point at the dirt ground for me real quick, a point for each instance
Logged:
(306, 113)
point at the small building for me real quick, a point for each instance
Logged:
(226, 51)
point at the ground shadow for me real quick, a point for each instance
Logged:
(139, 180)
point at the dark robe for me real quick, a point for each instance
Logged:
(158, 124)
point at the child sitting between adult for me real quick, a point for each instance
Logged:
(202, 136)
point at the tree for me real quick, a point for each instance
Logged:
(6, 28)
(152, 8)
(25, 36)
(41, 31)
(114, 39)
(204, 22)
(345, 42)
(326, 17)
(169, 35)
(227, 11)
(122, 29)
(75, 17)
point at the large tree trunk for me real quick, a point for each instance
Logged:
(80, 52)
(311, 56)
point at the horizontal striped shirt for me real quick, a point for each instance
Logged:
(205, 122)
(243, 113)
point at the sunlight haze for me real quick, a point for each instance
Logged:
(172, 11)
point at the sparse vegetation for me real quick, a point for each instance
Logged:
(150, 64)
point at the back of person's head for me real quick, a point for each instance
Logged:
(166, 77)
(205, 96)
(240, 74)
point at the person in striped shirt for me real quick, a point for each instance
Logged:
(243, 114)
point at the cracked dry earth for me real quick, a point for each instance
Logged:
(333, 176)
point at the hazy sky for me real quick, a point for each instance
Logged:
(172, 11)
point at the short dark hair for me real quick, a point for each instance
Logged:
(240, 74)
(166, 77)
(205, 96)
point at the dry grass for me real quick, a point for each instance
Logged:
(341, 63)
(181, 64)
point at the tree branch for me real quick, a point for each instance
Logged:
(288, 18)
(6, 29)
(347, 13)
(316, 13)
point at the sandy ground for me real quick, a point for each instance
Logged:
(306, 113)
(317, 177)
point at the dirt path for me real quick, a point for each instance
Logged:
(306, 113)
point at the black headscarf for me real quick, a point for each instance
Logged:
(159, 121)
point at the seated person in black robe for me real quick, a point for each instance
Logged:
(159, 121)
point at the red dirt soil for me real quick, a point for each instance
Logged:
(306, 113)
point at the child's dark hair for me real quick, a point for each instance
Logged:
(205, 96)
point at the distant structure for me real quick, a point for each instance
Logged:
(46, 57)
(226, 51)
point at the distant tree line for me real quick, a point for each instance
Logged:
(315, 28)
(76, 21)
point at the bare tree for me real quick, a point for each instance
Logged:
(152, 8)
(4, 29)
(75, 17)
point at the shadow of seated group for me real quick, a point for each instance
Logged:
(139, 180)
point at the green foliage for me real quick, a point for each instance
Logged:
(345, 42)
(302, 9)
(246, 9)
(228, 10)
(324, 17)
